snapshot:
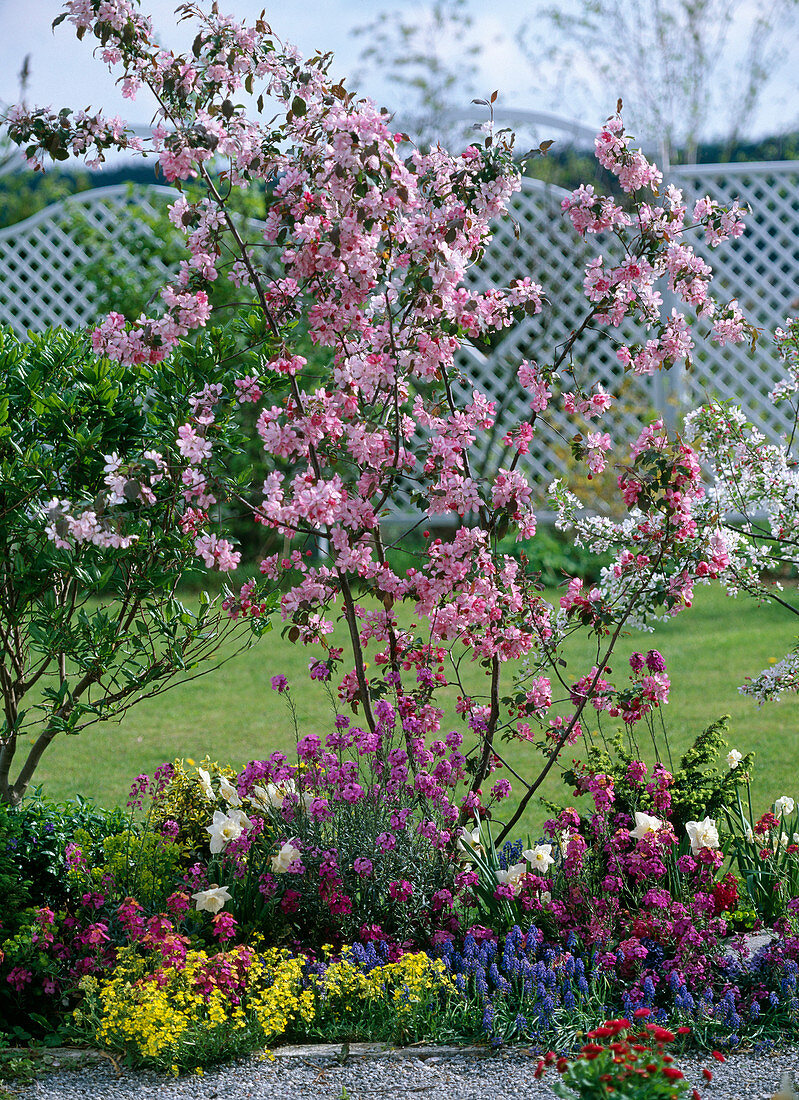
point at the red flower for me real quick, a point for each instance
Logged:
(672, 1073)
(660, 1034)
(641, 1013)
(718, 1056)
(706, 1073)
(592, 1050)
(539, 1070)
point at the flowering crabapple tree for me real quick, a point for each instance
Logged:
(364, 249)
(754, 501)
(90, 621)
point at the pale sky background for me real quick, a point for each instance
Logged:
(64, 73)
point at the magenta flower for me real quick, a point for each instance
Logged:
(401, 890)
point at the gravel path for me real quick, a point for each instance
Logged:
(439, 1076)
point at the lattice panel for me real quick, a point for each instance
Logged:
(43, 260)
(42, 285)
(760, 270)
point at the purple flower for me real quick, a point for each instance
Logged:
(137, 791)
(655, 661)
(280, 684)
(501, 789)
(308, 747)
(353, 792)
(363, 867)
(401, 890)
(170, 829)
(319, 809)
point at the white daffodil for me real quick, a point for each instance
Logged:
(222, 830)
(205, 783)
(702, 834)
(734, 758)
(784, 840)
(240, 818)
(286, 855)
(274, 795)
(645, 825)
(228, 792)
(211, 900)
(513, 876)
(784, 806)
(469, 842)
(539, 858)
(750, 836)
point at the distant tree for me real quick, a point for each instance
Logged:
(671, 61)
(428, 54)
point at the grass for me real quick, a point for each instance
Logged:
(233, 715)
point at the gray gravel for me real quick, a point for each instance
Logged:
(440, 1076)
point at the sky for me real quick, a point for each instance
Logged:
(64, 73)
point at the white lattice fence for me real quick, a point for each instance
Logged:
(44, 259)
(44, 282)
(761, 270)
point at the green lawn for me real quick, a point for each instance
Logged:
(233, 715)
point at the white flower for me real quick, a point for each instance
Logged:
(222, 830)
(273, 797)
(702, 834)
(539, 857)
(205, 783)
(112, 463)
(784, 806)
(240, 818)
(750, 836)
(228, 792)
(469, 842)
(260, 798)
(513, 876)
(287, 855)
(211, 900)
(645, 825)
(734, 758)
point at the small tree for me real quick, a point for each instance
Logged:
(90, 618)
(364, 252)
